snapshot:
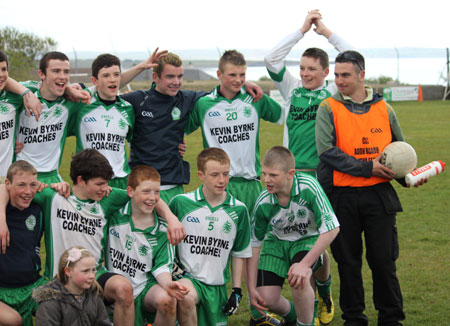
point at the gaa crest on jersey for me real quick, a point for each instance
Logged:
(322, 95)
(227, 227)
(57, 112)
(4, 109)
(176, 113)
(143, 250)
(30, 222)
(122, 124)
(301, 213)
(247, 111)
(94, 210)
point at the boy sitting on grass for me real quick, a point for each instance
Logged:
(217, 229)
(294, 220)
(139, 250)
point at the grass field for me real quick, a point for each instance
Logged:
(423, 226)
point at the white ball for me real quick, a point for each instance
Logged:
(400, 157)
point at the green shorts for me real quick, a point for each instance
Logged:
(167, 195)
(276, 255)
(120, 183)
(211, 299)
(49, 177)
(246, 191)
(142, 316)
(20, 300)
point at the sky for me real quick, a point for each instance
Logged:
(142, 25)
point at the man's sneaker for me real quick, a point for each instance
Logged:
(267, 320)
(326, 309)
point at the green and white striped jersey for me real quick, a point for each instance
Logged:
(10, 105)
(138, 254)
(105, 128)
(233, 125)
(44, 140)
(212, 236)
(309, 213)
(75, 222)
(301, 104)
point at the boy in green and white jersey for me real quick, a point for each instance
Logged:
(82, 218)
(217, 228)
(139, 250)
(303, 96)
(107, 121)
(44, 139)
(10, 104)
(230, 120)
(294, 223)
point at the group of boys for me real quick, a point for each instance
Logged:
(292, 221)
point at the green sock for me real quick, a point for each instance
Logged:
(316, 305)
(323, 287)
(255, 313)
(291, 315)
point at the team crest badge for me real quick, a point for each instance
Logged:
(227, 227)
(176, 114)
(30, 222)
(143, 250)
(4, 109)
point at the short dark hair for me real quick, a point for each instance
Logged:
(319, 54)
(53, 55)
(353, 57)
(231, 56)
(104, 61)
(211, 154)
(90, 164)
(4, 57)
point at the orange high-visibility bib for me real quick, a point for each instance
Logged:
(363, 136)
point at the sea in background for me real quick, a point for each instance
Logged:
(412, 71)
(413, 66)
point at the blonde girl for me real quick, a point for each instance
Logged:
(74, 296)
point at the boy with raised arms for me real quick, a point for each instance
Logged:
(20, 266)
(81, 219)
(138, 234)
(218, 230)
(161, 114)
(302, 98)
(293, 223)
(229, 120)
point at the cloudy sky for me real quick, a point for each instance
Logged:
(138, 25)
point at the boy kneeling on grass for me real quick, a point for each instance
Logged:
(217, 229)
(294, 220)
(138, 249)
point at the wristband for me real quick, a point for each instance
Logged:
(25, 92)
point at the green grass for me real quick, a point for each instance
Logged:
(423, 265)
